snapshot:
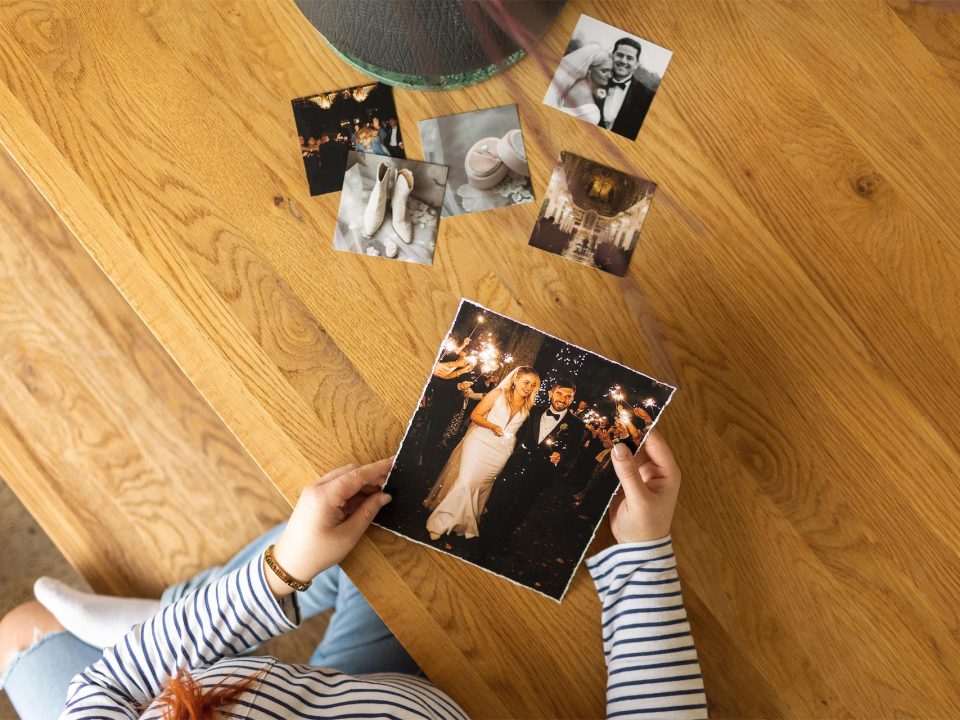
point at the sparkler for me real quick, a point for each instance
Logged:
(481, 318)
(450, 345)
(489, 357)
(649, 403)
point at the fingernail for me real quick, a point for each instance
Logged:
(384, 499)
(621, 451)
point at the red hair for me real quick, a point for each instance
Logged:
(183, 698)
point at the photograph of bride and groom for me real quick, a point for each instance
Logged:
(506, 462)
(607, 77)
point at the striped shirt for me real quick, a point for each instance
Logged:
(652, 666)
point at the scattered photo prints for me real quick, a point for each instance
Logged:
(607, 77)
(390, 207)
(506, 463)
(592, 214)
(484, 150)
(330, 124)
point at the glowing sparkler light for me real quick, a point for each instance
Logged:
(481, 318)
(649, 403)
(508, 358)
(624, 416)
(450, 344)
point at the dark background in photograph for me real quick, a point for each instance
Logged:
(328, 130)
(544, 551)
(592, 214)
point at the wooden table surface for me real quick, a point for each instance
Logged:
(797, 279)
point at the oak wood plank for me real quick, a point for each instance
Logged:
(796, 279)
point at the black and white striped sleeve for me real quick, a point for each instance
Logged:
(218, 620)
(652, 666)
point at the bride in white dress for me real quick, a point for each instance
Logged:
(577, 81)
(461, 492)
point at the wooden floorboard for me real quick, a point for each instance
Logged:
(798, 279)
(101, 435)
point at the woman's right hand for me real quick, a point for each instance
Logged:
(496, 430)
(650, 484)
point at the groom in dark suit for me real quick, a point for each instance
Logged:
(627, 99)
(546, 448)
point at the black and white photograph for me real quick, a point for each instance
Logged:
(506, 462)
(330, 124)
(485, 153)
(607, 77)
(390, 207)
(592, 214)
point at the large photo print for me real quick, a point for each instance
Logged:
(506, 462)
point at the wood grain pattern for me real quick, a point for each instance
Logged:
(103, 437)
(797, 279)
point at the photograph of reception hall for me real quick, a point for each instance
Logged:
(506, 462)
(607, 77)
(485, 153)
(390, 207)
(330, 124)
(592, 214)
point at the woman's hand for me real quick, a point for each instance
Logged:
(328, 520)
(650, 483)
(496, 430)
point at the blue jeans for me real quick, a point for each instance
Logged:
(356, 641)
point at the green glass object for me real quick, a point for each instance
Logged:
(431, 44)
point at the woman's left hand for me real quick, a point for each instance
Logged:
(329, 519)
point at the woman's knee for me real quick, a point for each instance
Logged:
(23, 627)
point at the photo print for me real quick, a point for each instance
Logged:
(506, 462)
(607, 77)
(485, 153)
(330, 124)
(592, 214)
(390, 207)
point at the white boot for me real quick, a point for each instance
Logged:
(398, 209)
(373, 215)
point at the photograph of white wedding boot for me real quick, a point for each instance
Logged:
(377, 205)
(399, 215)
(390, 208)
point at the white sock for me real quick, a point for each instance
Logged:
(98, 620)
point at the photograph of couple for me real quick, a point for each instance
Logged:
(506, 462)
(607, 77)
(330, 124)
